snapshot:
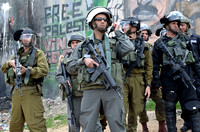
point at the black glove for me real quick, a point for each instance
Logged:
(17, 35)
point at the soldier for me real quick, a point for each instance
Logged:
(195, 41)
(156, 94)
(74, 39)
(27, 104)
(138, 66)
(172, 56)
(105, 89)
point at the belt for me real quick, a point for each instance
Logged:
(28, 87)
(136, 74)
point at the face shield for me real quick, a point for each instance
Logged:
(125, 25)
(27, 39)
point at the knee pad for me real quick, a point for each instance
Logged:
(170, 106)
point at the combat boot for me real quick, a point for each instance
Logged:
(162, 127)
(144, 127)
(186, 126)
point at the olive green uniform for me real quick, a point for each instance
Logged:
(95, 94)
(156, 96)
(27, 107)
(134, 86)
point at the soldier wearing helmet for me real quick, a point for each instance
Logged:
(156, 94)
(145, 31)
(165, 76)
(138, 67)
(73, 41)
(26, 101)
(95, 93)
(194, 42)
(185, 25)
(26, 36)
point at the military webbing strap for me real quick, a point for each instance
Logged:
(32, 58)
(134, 63)
(108, 52)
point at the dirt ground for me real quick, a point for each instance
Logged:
(152, 124)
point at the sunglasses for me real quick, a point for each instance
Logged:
(100, 19)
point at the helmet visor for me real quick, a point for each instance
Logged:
(125, 25)
(26, 37)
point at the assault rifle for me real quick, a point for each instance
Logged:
(69, 96)
(95, 72)
(18, 79)
(177, 70)
(139, 45)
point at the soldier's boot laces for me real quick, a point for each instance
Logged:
(144, 127)
(162, 127)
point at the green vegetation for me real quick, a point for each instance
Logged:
(57, 121)
(150, 105)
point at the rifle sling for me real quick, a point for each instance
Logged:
(31, 61)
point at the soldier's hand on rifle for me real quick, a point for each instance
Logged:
(90, 62)
(23, 70)
(69, 84)
(147, 92)
(11, 63)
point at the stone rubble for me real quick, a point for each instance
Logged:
(52, 109)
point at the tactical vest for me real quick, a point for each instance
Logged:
(75, 85)
(23, 60)
(178, 48)
(116, 69)
(130, 58)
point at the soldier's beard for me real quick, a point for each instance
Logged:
(26, 45)
(100, 29)
(173, 31)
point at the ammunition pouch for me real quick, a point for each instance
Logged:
(9, 76)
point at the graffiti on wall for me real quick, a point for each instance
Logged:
(62, 18)
(150, 11)
(59, 22)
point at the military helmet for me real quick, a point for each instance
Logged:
(25, 35)
(98, 10)
(186, 20)
(134, 22)
(172, 16)
(144, 26)
(75, 37)
(27, 31)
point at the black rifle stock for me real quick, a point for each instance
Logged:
(18, 79)
(95, 72)
(177, 67)
(69, 97)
